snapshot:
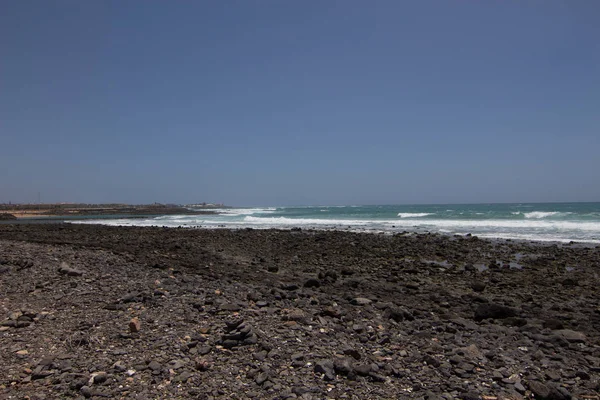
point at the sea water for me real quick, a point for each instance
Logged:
(561, 222)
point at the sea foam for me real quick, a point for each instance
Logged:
(413, 215)
(545, 214)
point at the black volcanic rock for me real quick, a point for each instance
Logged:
(495, 311)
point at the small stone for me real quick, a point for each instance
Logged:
(362, 369)
(99, 378)
(519, 387)
(204, 330)
(155, 366)
(583, 375)
(398, 314)
(431, 360)
(342, 366)
(202, 364)
(360, 301)
(22, 352)
(135, 325)
(261, 378)
(539, 389)
(175, 364)
(326, 368)
(495, 311)
(571, 336)
(86, 391)
(553, 324)
(352, 353)
(183, 377)
(333, 312)
(478, 286)
(119, 366)
(312, 282)
(65, 269)
(231, 307)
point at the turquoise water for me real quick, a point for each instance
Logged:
(562, 222)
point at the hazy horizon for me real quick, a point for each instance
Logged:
(316, 205)
(312, 103)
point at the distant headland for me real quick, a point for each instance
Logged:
(18, 211)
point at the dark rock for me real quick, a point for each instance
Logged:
(135, 325)
(352, 353)
(515, 321)
(470, 396)
(261, 378)
(155, 366)
(100, 377)
(119, 366)
(231, 307)
(239, 333)
(398, 314)
(495, 311)
(540, 390)
(478, 286)
(312, 283)
(231, 325)
(570, 282)
(325, 367)
(362, 369)
(334, 312)
(553, 324)
(583, 375)
(132, 297)
(342, 366)
(430, 360)
(330, 276)
(86, 391)
(183, 377)
(519, 387)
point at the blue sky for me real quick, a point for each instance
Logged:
(300, 102)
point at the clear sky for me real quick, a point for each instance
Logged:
(300, 102)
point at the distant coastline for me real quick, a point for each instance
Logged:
(44, 211)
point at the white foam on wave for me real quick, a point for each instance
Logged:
(413, 215)
(544, 214)
(245, 211)
(453, 224)
(530, 237)
(284, 221)
(540, 225)
(526, 228)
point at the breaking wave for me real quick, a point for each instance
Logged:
(413, 215)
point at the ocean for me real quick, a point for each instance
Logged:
(555, 222)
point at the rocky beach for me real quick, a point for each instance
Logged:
(93, 311)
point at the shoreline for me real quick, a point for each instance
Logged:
(326, 314)
(548, 242)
